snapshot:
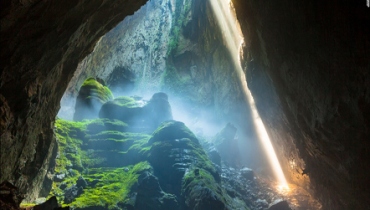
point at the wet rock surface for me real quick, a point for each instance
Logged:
(308, 73)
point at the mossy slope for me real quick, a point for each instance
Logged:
(102, 166)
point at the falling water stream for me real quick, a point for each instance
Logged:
(225, 14)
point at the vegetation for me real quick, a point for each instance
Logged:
(179, 20)
(99, 165)
(125, 101)
(84, 147)
(112, 188)
(96, 90)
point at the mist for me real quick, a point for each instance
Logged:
(184, 81)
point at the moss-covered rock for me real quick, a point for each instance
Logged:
(99, 125)
(151, 196)
(201, 191)
(87, 152)
(174, 152)
(172, 130)
(102, 166)
(138, 116)
(110, 188)
(91, 97)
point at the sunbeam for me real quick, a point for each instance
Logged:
(233, 38)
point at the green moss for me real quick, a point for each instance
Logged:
(77, 159)
(112, 188)
(96, 90)
(98, 125)
(70, 138)
(111, 160)
(125, 101)
(27, 205)
(170, 130)
(178, 22)
(191, 180)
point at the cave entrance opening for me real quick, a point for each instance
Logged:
(174, 47)
(170, 47)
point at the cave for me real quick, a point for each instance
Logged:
(307, 65)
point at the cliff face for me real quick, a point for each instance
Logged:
(307, 65)
(199, 66)
(132, 53)
(42, 43)
(170, 45)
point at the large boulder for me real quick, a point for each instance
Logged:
(183, 168)
(123, 108)
(151, 196)
(158, 109)
(135, 114)
(227, 145)
(92, 95)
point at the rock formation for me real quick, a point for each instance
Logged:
(306, 62)
(308, 71)
(42, 43)
(91, 96)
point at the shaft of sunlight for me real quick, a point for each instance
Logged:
(233, 38)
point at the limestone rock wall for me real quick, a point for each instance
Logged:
(138, 44)
(201, 65)
(307, 65)
(41, 44)
(175, 46)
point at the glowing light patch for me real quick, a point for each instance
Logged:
(225, 14)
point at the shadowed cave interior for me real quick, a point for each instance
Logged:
(144, 104)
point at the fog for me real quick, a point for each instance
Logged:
(204, 121)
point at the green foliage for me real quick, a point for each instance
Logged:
(77, 158)
(69, 135)
(204, 178)
(112, 188)
(111, 160)
(178, 22)
(99, 125)
(96, 90)
(172, 130)
(125, 101)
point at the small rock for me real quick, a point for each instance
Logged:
(196, 172)
(81, 182)
(71, 193)
(59, 177)
(215, 157)
(262, 202)
(247, 173)
(279, 205)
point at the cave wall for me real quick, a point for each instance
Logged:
(199, 67)
(307, 65)
(311, 57)
(137, 46)
(175, 46)
(41, 44)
